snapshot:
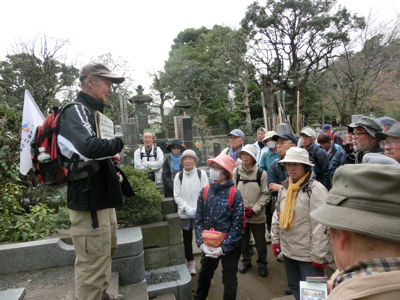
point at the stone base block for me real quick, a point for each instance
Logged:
(131, 269)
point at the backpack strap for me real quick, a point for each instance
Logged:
(205, 191)
(259, 174)
(237, 175)
(227, 150)
(231, 197)
(180, 176)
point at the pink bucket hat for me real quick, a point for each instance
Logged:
(224, 161)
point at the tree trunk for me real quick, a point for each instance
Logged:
(246, 106)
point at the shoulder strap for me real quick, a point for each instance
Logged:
(180, 176)
(231, 197)
(205, 191)
(199, 174)
(227, 150)
(277, 169)
(237, 176)
(259, 174)
(155, 153)
(309, 187)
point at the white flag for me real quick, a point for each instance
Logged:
(31, 118)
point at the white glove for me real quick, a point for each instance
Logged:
(215, 252)
(191, 212)
(207, 249)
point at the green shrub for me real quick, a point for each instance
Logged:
(18, 224)
(145, 207)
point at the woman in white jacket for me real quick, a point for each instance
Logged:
(301, 239)
(187, 186)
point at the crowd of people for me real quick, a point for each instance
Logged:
(310, 198)
(279, 181)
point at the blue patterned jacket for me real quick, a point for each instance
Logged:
(215, 213)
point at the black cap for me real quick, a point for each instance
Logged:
(287, 136)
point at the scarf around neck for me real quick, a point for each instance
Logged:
(175, 162)
(286, 218)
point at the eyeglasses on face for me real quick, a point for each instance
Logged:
(356, 135)
(389, 142)
(175, 147)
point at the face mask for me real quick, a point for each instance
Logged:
(214, 174)
(271, 144)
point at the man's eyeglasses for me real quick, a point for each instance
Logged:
(175, 147)
(357, 134)
(390, 143)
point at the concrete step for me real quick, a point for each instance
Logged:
(13, 294)
(137, 291)
(165, 297)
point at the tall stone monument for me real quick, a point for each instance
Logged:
(183, 124)
(141, 102)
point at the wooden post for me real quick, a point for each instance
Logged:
(298, 113)
(264, 111)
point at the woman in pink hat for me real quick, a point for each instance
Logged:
(215, 210)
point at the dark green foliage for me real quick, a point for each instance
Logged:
(145, 207)
(10, 126)
(18, 224)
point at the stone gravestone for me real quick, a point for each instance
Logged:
(141, 102)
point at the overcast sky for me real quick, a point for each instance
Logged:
(140, 32)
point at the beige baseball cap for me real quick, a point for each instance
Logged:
(98, 69)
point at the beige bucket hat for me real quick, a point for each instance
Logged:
(297, 155)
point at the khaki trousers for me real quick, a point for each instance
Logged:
(93, 251)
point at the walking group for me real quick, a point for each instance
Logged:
(316, 199)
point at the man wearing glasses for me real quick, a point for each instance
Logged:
(364, 135)
(391, 141)
(362, 219)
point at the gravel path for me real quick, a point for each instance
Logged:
(46, 278)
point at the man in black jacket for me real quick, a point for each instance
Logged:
(318, 156)
(94, 189)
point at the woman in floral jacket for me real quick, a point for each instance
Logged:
(215, 212)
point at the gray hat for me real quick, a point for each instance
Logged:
(388, 121)
(236, 132)
(283, 128)
(249, 149)
(365, 198)
(372, 126)
(377, 158)
(189, 153)
(97, 69)
(393, 131)
(308, 131)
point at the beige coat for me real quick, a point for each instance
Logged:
(384, 285)
(254, 196)
(306, 240)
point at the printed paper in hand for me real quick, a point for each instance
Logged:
(313, 291)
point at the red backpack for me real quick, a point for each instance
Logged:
(231, 197)
(55, 171)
